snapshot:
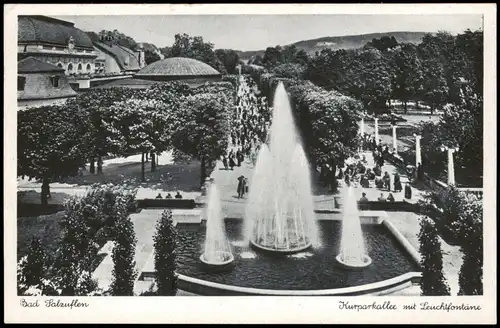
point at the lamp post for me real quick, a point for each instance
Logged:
(362, 132)
(362, 127)
(376, 131)
(394, 139)
(418, 154)
(451, 166)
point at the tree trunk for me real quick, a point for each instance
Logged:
(45, 194)
(153, 162)
(99, 165)
(203, 171)
(334, 176)
(432, 110)
(143, 177)
(147, 157)
(92, 165)
(157, 160)
(405, 106)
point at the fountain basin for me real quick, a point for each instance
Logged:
(314, 271)
(354, 266)
(279, 251)
(217, 266)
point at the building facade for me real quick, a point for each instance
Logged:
(114, 58)
(56, 42)
(40, 84)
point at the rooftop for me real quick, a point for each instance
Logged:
(33, 65)
(177, 66)
(121, 54)
(42, 29)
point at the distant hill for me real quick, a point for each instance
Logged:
(342, 42)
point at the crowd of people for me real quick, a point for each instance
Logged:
(358, 172)
(251, 121)
(249, 128)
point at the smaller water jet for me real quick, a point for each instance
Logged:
(352, 246)
(217, 252)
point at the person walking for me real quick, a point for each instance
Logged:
(387, 181)
(238, 157)
(240, 187)
(397, 183)
(407, 191)
(224, 162)
(232, 164)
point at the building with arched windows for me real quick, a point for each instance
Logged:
(85, 63)
(55, 42)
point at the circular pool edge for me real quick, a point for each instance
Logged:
(279, 252)
(217, 266)
(355, 267)
(209, 288)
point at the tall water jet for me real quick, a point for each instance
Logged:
(352, 246)
(257, 197)
(217, 251)
(280, 216)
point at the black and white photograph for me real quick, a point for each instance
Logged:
(245, 154)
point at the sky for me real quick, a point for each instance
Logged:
(257, 32)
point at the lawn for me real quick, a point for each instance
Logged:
(44, 227)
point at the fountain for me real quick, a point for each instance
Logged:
(217, 251)
(352, 247)
(280, 216)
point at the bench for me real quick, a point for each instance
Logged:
(166, 203)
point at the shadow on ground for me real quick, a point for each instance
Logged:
(170, 177)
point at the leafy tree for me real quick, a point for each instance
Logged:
(77, 248)
(435, 89)
(288, 70)
(384, 43)
(36, 263)
(470, 278)
(194, 47)
(328, 124)
(275, 56)
(256, 60)
(103, 137)
(433, 282)
(144, 125)
(124, 272)
(201, 126)
(408, 77)
(328, 69)
(150, 57)
(34, 271)
(165, 243)
(166, 52)
(368, 78)
(118, 37)
(52, 144)
(229, 58)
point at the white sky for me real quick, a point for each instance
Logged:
(256, 32)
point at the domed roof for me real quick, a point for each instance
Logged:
(177, 66)
(50, 30)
